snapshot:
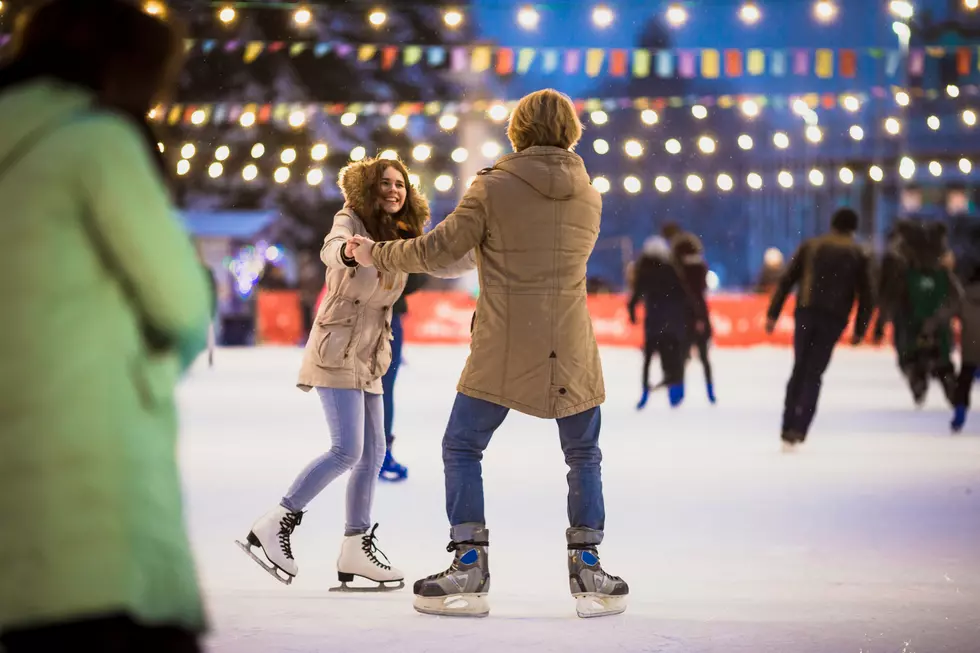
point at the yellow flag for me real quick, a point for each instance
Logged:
(641, 62)
(824, 66)
(481, 59)
(413, 54)
(253, 50)
(756, 62)
(710, 64)
(593, 61)
(366, 52)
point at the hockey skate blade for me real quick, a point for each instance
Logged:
(455, 605)
(380, 587)
(599, 605)
(272, 571)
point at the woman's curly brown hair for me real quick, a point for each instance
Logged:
(360, 182)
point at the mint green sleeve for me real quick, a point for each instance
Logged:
(141, 236)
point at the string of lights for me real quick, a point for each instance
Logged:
(529, 17)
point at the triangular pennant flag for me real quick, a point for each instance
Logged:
(572, 61)
(459, 60)
(685, 64)
(482, 56)
(276, 46)
(389, 55)
(252, 51)
(801, 62)
(710, 64)
(917, 61)
(411, 55)
(756, 62)
(963, 61)
(777, 63)
(665, 63)
(188, 45)
(297, 49)
(641, 63)
(208, 46)
(174, 114)
(892, 61)
(848, 63)
(231, 46)
(505, 61)
(550, 63)
(593, 61)
(617, 63)
(436, 56)
(366, 52)
(733, 63)
(321, 49)
(524, 60)
(824, 65)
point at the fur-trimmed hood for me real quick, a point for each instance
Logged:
(355, 181)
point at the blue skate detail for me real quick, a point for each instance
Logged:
(711, 393)
(643, 398)
(470, 557)
(959, 418)
(676, 394)
(589, 558)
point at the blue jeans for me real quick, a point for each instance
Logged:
(388, 380)
(355, 421)
(472, 424)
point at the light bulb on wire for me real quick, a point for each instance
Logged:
(377, 18)
(971, 4)
(302, 17)
(749, 13)
(528, 17)
(824, 10)
(602, 16)
(227, 15)
(676, 15)
(453, 18)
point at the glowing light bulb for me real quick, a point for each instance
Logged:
(491, 149)
(750, 108)
(421, 152)
(358, 153)
(785, 179)
(846, 175)
(599, 117)
(498, 113)
(297, 119)
(649, 117)
(965, 166)
(851, 103)
(528, 17)
(448, 122)
(953, 90)
(250, 172)
(314, 177)
(969, 117)
(694, 183)
(302, 17)
(281, 175)
(892, 126)
(453, 18)
(198, 117)
(780, 140)
(600, 145)
(856, 132)
(754, 180)
(749, 13)
(188, 151)
(813, 134)
(601, 184)
(348, 119)
(745, 142)
(288, 155)
(389, 155)
(602, 16)
(398, 121)
(933, 122)
(460, 155)
(377, 18)
(816, 177)
(673, 146)
(699, 112)
(725, 182)
(824, 11)
(876, 173)
(183, 167)
(906, 168)
(632, 185)
(319, 152)
(902, 99)
(676, 15)
(247, 119)
(215, 170)
(258, 150)
(227, 15)
(662, 184)
(706, 144)
(222, 153)
(633, 148)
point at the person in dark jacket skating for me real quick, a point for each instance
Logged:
(391, 470)
(688, 254)
(964, 304)
(828, 272)
(667, 316)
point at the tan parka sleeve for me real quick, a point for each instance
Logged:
(447, 250)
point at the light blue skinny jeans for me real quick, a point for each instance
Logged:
(356, 422)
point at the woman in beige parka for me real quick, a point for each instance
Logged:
(347, 353)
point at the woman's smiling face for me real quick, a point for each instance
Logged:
(393, 191)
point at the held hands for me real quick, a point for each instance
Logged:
(360, 248)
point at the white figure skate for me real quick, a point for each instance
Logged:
(359, 557)
(272, 533)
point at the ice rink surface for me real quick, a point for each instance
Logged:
(865, 541)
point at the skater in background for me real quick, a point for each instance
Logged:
(348, 351)
(965, 306)
(666, 321)
(688, 255)
(105, 305)
(535, 218)
(390, 469)
(891, 275)
(922, 283)
(828, 273)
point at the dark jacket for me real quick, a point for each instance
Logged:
(829, 272)
(890, 278)
(666, 302)
(415, 282)
(688, 255)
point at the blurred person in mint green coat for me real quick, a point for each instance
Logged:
(104, 306)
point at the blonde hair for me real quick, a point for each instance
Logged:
(545, 117)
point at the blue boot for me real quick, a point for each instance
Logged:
(959, 419)
(391, 470)
(711, 392)
(676, 394)
(643, 399)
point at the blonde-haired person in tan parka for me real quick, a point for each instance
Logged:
(533, 219)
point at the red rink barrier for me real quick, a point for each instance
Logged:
(738, 320)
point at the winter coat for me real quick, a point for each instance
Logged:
(829, 272)
(668, 306)
(533, 219)
(350, 343)
(688, 256)
(96, 267)
(967, 308)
